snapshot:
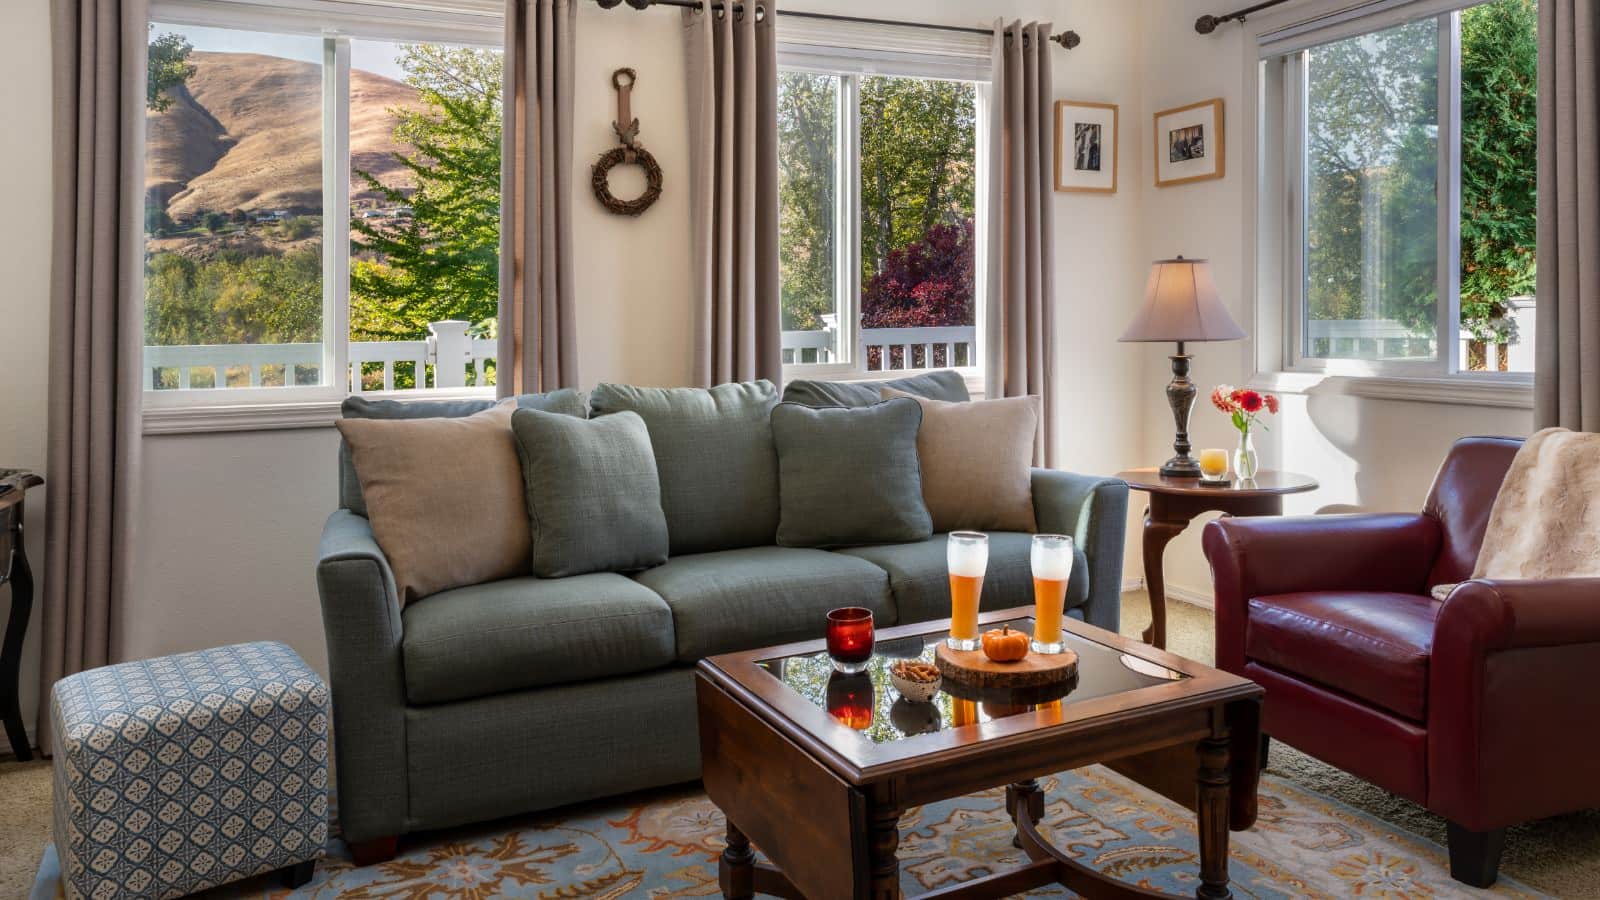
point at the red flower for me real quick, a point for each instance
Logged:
(1250, 401)
(1272, 403)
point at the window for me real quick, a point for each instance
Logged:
(321, 209)
(1408, 174)
(879, 181)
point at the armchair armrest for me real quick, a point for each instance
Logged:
(361, 620)
(1094, 511)
(1254, 557)
(1510, 715)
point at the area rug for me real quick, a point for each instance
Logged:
(664, 844)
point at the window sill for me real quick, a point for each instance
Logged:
(1507, 391)
(211, 417)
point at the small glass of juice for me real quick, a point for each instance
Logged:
(1213, 465)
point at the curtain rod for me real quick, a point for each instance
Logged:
(1067, 39)
(1208, 24)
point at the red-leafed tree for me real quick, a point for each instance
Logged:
(925, 284)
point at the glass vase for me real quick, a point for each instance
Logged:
(1245, 461)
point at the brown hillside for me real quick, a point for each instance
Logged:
(245, 133)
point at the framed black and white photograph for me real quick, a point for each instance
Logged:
(1086, 146)
(1189, 143)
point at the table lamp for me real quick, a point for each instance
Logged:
(1181, 304)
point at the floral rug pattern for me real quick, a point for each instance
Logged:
(664, 845)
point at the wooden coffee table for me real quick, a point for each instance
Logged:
(816, 768)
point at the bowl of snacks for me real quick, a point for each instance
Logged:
(916, 680)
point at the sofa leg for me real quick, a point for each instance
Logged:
(1475, 855)
(297, 875)
(1266, 745)
(377, 850)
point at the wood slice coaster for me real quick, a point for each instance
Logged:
(1035, 669)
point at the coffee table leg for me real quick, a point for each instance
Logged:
(1213, 796)
(737, 869)
(882, 842)
(1027, 795)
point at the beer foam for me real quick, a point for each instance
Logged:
(1052, 565)
(967, 560)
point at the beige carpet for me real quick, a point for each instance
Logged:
(1560, 855)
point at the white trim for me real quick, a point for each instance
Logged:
(1323, 21)
(871, 48)
(1204, 599)
(446, 21)
(1464, 389)
(279, 416)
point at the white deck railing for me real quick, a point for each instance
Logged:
(896, 348)
(447, 344)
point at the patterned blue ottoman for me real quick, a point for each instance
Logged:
(177, 774)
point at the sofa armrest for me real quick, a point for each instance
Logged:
(361, 619)
(1257, 556)
(1509, 713)
(1094, 511)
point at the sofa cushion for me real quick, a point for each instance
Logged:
(977, 462)
(866, 456)
(941, 385)
(430, 484)
(525, 632)
(741, 599)
(594, 499)
(920, 580)
(1372, 644)
(714, 452)
(566, 401)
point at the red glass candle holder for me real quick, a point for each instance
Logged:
(850, 638)
(851, 699)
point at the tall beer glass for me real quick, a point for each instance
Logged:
(1052, 566)
(967, 553)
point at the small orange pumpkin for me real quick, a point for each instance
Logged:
(1004, 645)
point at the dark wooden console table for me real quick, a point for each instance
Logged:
(1174, 502)
(14, 571)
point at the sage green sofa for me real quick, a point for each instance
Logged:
(530, 693)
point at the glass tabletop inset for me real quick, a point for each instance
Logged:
(869, 702)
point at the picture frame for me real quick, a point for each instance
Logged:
(1086, 147)
(1190, 143)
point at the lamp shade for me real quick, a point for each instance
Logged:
(1181, 304)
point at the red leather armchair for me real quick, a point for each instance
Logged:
(1481, 707)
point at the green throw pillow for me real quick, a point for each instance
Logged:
(941, 385)
(594, 500)
(719, 471)
(849, 475)
(566, 400)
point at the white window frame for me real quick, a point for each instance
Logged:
(1275, 211)
(851, 50)
(337, 23)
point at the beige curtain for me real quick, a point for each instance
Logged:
(1567, 348)
(732, 62)
(96, 334)
(1021, 277)
(538, 315)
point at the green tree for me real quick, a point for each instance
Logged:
(1499, 162)
(441, 262)
(806, 159)
(168, 67)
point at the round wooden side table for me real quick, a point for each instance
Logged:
(1174, 502)
(14, 571)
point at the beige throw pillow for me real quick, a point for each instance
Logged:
(977, 462)
(444, 497)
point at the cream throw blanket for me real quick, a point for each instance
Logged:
(1546, 519)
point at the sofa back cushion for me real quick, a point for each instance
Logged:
(593, 497)
(442, 496)
(1462, 496)
(850, 476)
(714, 453)
(567, 401)
(941, 385)
(977, 462)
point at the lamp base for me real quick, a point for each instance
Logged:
(1184, 466)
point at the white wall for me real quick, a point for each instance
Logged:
(1369, 454)
(229, 525)
(25, 276)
